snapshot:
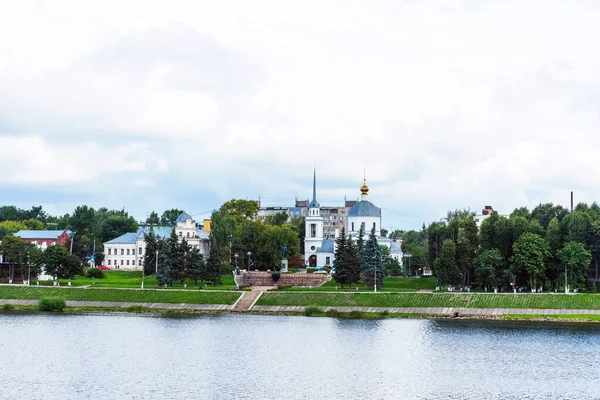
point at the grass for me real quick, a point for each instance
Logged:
(466, 300)
(541, 317)
(121, 295)
(390, 284)
(133, 279)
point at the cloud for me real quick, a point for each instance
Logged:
(448, 104)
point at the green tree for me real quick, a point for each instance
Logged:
(545, 212)
(116, 225)
(11, 227)
(70, 267)
(14, 251)
(437, 232)
(576, 260)
(151, 247)
(240, 209)
(34, 224)
(576, 227)
(277, 219)
(391, 265)
(446, 268)
(341, 261)
(272, 240)
(372, 270)
(153, 218)
(169, 217)
(530, 254)
(555, 243)
(196, 262)
(212, 270)
(54, 259)
(490, 269)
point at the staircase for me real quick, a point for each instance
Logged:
(248, 298)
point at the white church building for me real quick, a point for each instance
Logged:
(319, 252)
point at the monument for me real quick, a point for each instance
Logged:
(284, 261)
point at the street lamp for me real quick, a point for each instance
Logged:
(72, 238)
(409, 257)
(249, 254)
(236, 258)
(375, 281)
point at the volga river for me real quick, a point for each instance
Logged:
(125, 356)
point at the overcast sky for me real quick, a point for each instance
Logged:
(148, 105)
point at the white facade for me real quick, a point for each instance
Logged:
(127, 251)
(313, 239)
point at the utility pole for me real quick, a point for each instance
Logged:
(156, 262)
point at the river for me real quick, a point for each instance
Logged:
(129, 356)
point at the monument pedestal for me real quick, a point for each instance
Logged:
(284, 265)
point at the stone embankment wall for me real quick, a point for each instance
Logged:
(264, 279)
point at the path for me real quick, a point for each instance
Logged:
(439, 311)
(119, 304)
(249, 298)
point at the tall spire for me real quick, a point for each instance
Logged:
(314, 203)
(364, 188)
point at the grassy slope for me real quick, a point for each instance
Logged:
(538, 301)
(133, 279)
(97, 294)
(391, 284)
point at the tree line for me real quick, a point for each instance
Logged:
(545, 248)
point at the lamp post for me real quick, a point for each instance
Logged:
(408, 256)
(72, 238)
(375, 276)
(249, 254)
(566, 284)
(236, 258)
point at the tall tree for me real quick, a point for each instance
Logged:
(70, 267)
(340, 260)
(153, 218)
(530, 254)
(372, 270)
(555, 243)
(576, 260)
(169, 217)
(54, 259)
(240, 209)
(212, 270)
(446, 268)
(490, 269)
(545, 212)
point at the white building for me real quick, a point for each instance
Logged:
(127, 251)
(319, 251)
(485, 214)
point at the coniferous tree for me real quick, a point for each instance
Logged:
(372, 268)
(340, 261)
(353, 262)
(150, 252)
(360, 243)
(196, 262)
(212, 270)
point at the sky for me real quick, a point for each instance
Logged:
(151, 105)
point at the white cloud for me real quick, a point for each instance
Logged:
(446, 103)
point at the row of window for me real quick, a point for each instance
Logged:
(130, 252)
(115, 263)
(362, 225)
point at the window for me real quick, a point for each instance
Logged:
(109, 252)
(313, 230)
(362, 225)
(133, 252)
(121, 262)
(327, 260)
(179, 233)
(352, 227)
(140, 251)
(128, 251)
(127, 262)
(108, 262)
(122, 252)
(374, 225)
(139, 262)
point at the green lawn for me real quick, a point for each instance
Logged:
(469, 300)
(133, 279)
(104, 294)
(390, 284)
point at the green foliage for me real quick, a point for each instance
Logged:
(240, 209)
(490, 269)
(212, 271)
(52, 304)
(153, 218)
(530, 254)
(169, 217)
(277, 219)
(310, 311)
(116, 225)
(356, 314)
(310, 270)
(576, 259)
(11, 227)
(271, 241)
(372, 270)
(70, 267)
(445, 267)
(544, 213)
(95, 273)
(8, 307)
(54, 258)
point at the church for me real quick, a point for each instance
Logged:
(319, 252)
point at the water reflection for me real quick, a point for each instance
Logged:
(254, 356)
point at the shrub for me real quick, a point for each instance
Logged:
(356, 314)
(385, 313)
(333, 313)
(226, 268)
(136, 309)
(8, 307)
(283, 287)
(310, 270)
(96, 273)
(312, 310)
(52, 304)
(328, 269)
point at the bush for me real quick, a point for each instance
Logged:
(328, 269)
(8, 307)
(226, 268)
(310, 270)
(52, 304)
(96, 273)
(136, 309)
(333, 313)
(312, 310)
(385, 313)
(283, 287)
(356, 314)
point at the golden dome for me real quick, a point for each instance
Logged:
(364, 189)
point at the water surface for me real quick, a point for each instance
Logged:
(127, 356)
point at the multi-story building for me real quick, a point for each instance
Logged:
(43, 239)
(127, 251)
